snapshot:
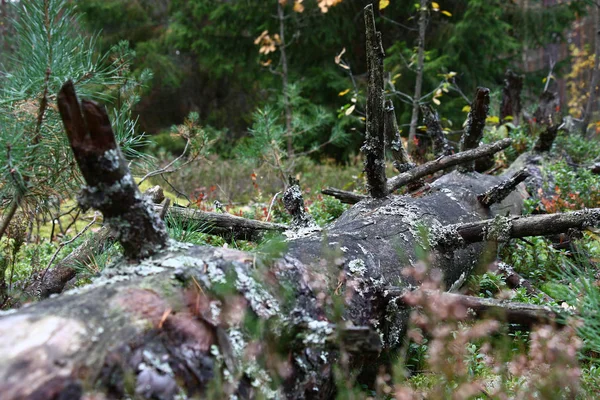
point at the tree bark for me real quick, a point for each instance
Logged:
(475, 125)
(511, 97)
(593, 90)
(374, 146)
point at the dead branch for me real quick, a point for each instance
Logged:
(511, 312)
(110, 185)
(502, 229)
(515, 281)
(445, 162)
(374, 146)
(473, 132)
(294, 204)
(344, 196)
(511, 97)
(402, 161)
(499, 192)
(431, 119)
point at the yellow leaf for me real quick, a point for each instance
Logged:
(435, 6)
(350, 109)
(338, 58)
(383, 4)
(353, 100)
(298, 6)
(343, 93)
(466, 109)
(436, 101)
(492, 120)
(447, 13)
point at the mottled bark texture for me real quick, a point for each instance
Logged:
(431, 120)
(475, 123)
(344, 196)
(294, 204)
(374, 147)
(110, 185)
(511, 97)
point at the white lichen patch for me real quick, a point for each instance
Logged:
(261, 301)
(113, 157)
(301, 232)
(215, 274)
(357, 267)
(238, 343)
(318, 331)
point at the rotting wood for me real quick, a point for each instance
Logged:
(110, 185)
(294, 204)
(374, 146)
(431, 119)
(473, 132)
(499, 193)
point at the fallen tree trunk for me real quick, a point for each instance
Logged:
(202, 321)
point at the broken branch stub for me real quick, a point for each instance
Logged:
(501, 191)
(110, 186)
(511, 97)
(374, 146)
(402, 161)
(431, 119)
(475, 124)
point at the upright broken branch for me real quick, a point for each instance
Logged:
(431, 119)
(475, 123)
(511, 97)
(547, 114)
(110, 185)
(374, 147)
(500, 192)
(402, 161)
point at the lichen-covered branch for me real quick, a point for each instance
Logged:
(502, 229)
(402, 161)
(515, 281)
(475, 123)
(445, 162)
(499, 192)
(294, 204)
(110, 185)
(374, 146)
(431, 119)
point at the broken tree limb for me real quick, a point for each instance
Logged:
(225, 225)
(499, 193)
(512, 312)
(374, 146)
(473, 132)
(548, 116)
(345, 196)
(110, 185)
(502, 228)
(511, 97)
(515, 281)
(294, 204)
(431, 119)
(402, 161)
(445, 162)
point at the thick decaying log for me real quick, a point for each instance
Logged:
(110, 186)
(475, 124)
(374, 147)
(511, 97)
(202, 320)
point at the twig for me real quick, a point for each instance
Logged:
(271, 205)
(165, 169)
(501, 191)
(63, 244)
(165, 207)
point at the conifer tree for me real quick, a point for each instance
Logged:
(36, 162)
